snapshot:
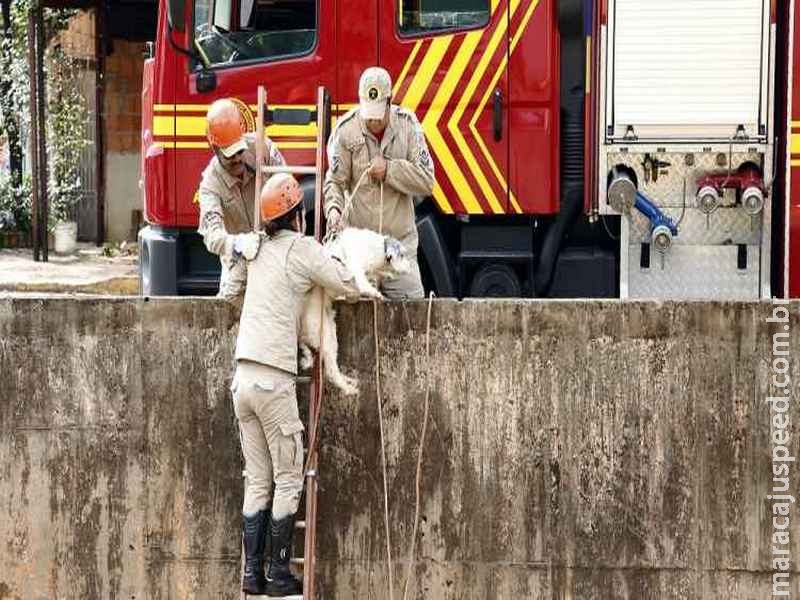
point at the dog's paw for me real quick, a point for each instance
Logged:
(306, 358)
(349, 386)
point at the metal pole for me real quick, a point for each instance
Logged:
(262, 99)
(35, 216)
(42, 131)
(99, 117)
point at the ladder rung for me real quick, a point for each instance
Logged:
(297, 561)
(288, 169)
(299, 524)
(303, 379)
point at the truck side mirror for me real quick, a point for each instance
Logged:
(176, 14)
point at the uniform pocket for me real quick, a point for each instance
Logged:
(264, 385)
(291, 446)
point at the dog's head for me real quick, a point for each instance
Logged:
(396, 259)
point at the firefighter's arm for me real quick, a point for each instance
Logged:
(212, 225)
(337, 176)
(232, 289)
(217, 240)
(414, 174)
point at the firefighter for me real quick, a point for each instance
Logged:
(286, 266)
(387, 141)
(227, 190)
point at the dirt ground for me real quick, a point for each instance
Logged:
(109, 270)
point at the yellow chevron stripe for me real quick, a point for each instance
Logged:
(196, 127)
(202, 145)
(163, 126)
(424, 75)
(416, 91)
(795, 143)
(296, 145)
(431, 126)
(254, 107)
(795, 163)
(399, 83)
(588, 83)
(173, 108)
(458, 136)
(481, 144)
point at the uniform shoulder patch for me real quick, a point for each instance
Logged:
(406, 113)
(347, 117)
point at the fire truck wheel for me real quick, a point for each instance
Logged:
(495, 280)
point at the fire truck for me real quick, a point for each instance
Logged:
(583, 148)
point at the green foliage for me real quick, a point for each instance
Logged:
(66, 113)
(15, 204)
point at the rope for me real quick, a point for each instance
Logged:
(421, 447)
(320, 384)
(383, 449)
(348, 203)
(380, 422)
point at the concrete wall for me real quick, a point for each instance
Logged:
(576, 450)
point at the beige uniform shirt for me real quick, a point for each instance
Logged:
(286, 268)
(227, 203)
(409, 173)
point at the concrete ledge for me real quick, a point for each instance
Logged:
(576, 450)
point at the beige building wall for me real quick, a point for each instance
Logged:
(123, 117)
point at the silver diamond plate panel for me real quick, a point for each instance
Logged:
(667, 189)
(724, 226)
(694, 273)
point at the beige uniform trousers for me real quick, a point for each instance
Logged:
(265, 401)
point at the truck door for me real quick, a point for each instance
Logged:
(448, 60)
(357, 41)
(534, 107)
(289, 46)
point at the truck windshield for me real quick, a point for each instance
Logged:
(228, 32)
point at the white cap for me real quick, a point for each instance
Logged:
(374, 91)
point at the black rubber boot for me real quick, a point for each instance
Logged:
(280, 581)
(254, 535)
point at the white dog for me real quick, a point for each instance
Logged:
(371, 258)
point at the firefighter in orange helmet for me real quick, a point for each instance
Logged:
(227, 190)
(286, 266)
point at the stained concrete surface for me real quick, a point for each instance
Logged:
(586, 450)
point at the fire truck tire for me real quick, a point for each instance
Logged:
(495, 280)
(437, 259)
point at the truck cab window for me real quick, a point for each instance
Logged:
(423, 16)
(231, 31)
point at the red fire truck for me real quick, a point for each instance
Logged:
(583, 148)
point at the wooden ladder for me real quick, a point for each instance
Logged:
(322, 116)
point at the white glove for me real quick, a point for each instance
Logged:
(246, 244)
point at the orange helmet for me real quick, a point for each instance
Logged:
(279, 196)
(224, 127)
